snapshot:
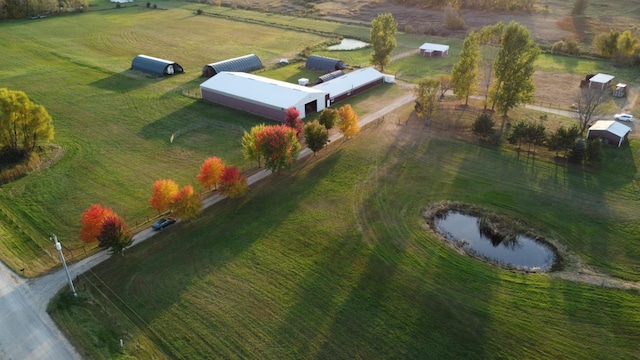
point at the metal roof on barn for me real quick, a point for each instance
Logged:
(245, 63)
(155, 66)
(315, 62)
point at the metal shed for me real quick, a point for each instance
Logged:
(351, 84)
(611, 132)
(315, 62)
(245, 63)
(155, 66)
(329, 76)
(262, 96)
(433, 50)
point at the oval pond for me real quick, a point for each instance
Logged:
(522, 252)
(349, 44)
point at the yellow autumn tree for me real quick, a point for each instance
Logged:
(348, 123)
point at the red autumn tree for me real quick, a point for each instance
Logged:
(233, 184)
(115, 235)
(279, 147)
(186, 203)
(211, 172)
(348, 123)
(163, 192)
(92, 220)
(292, 119)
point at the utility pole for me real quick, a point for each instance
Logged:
(64, 263)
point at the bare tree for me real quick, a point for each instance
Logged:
(588, 107)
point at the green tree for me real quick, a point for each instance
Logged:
(483, 126)
(518, 134)
(578, 151)
(426, 92)
(562, 139)
(535, 135)
(606, 44)
(514, 68)
(626, 46)
(464, 75)
(316, 136)
(328, 118)
(593, 155)
(23, 124)
(250, 150)
(383, 39)
(489, 39)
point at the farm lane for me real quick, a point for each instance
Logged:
(27, 330)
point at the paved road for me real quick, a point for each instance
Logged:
(27, 331)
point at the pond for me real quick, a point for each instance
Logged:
(521, 252)
(349, 44)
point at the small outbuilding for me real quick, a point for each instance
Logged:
(262, 96)
(600, 81)
(329, 76)
(245, 63)
(154, 66)
(434, 50)
(611, 132)
(315, 62)
(351, 84)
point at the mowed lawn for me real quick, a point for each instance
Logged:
(114, 125)
(332, 260)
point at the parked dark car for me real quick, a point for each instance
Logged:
(163, 223)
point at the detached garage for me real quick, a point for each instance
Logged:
(262, 96)
(434, 50)
(315, 62)
(351, 84)
(245, 63)
(154, 66)
(611, 132)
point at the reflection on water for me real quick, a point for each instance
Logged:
(349, 44)
(520, 251)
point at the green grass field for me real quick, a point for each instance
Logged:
(332, 260)
(329, 260)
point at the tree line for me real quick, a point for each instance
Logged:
(18, 9)
(276, 147)
(501, 5)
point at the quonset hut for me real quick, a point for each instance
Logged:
(329, 76)
(315, 62)
(154, 66)
(245, 63)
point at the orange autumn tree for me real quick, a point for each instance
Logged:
(233, 184)
(92, 220)
(186, 204)
(211, 172)
(163, 192)
(348, 123)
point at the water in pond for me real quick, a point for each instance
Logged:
(349, 44)
(524, 253)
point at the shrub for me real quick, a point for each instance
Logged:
(453, 20)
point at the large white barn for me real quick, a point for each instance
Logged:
(351, 84)
(262, 96)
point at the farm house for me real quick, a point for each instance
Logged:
(155, 66)
(611, 132)
(245, 63)
(315, 62)
(351, 84)
(262, 96)
(434, 50)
